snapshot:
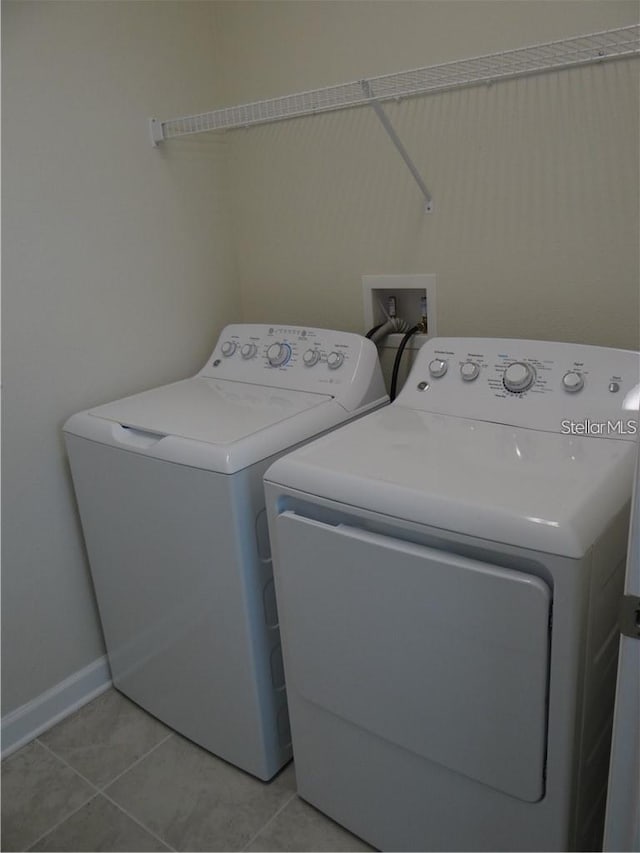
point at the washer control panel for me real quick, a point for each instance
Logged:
(297, 357)
(537, 384)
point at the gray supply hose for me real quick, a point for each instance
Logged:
(390, 327)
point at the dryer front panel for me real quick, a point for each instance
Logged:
(442, 655)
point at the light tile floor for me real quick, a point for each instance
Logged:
(111, 777)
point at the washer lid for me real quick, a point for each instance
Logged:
(213, 424)
(215, 411)
(544, 491)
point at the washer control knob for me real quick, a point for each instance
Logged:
(334, 360)
(519, 376)
(311, 357)
(438, 367)
(573, 381)
(278, 354)
(469, 371)
(248, 350)
(228, 348)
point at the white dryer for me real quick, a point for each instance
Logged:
(448, 573)
(170, 493)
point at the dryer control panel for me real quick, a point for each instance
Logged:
(557, 387)
(342, 365)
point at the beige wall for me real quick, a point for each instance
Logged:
(117, 276)
(121, 262)
(535, 182)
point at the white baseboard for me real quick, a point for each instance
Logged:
(47, 709)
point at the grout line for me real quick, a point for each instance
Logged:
(102, 788)
(62, 820)
(101, 791)
(271, 819)
(132, 817)
(66, 763)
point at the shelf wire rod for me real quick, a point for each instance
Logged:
(620, 43)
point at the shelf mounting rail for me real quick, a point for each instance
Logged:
(607, 45)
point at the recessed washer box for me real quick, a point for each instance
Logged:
(408, 291)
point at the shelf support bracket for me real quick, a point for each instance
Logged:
(386, 123)
(155, 131)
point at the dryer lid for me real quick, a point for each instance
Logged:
(538, 490)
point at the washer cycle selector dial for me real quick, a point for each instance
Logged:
(438, 367)
(334, 360)
(573, 381)
(469, 371)
(311, 357)
(278, 354)
(519, 376)
(228, 348)
(248, 350)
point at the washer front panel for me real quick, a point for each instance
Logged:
(179, 587)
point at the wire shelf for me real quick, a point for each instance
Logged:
(552, 56)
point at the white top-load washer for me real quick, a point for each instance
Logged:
(448, 572)
(170, 494)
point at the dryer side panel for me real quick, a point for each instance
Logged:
(445, 656)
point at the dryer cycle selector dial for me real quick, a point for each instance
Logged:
(278, 354)
(438, 367)
(228, 348)
(311, 357)
(573, 381)
(519, 376)
(334, 360)
(248, 350)
(469, 371)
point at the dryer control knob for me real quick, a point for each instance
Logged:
(573, 381)
(438, 367)
(248, 350)
(334, 360)
(519, 376)
(278, 354)
(469, 371)
(311, 357)
(228, 348)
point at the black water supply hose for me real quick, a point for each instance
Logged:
(396, 364)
